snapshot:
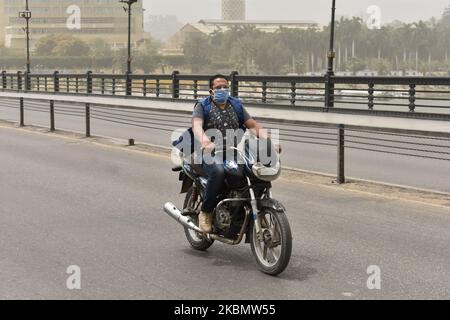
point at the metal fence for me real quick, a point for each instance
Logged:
(407, 143)
(419, 97)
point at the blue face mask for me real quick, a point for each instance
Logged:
(221, 96)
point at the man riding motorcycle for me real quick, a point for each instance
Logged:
(225, 113)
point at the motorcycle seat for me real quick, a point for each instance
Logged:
(199, 171)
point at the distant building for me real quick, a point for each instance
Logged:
(395, 24)
(162, 27)
(233, 10)
(396, 73)
(315, 73)
(367, 73)
(413, 73)
(208, 27)
(408, 73)
(97, 19)
(344, 73)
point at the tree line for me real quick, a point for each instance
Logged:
(62, 52)
(423, 46)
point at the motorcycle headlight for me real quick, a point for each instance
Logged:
(265, 173)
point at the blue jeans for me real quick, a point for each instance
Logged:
(216, 178)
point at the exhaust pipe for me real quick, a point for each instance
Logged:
(175, 213)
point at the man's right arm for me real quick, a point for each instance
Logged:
(197, 128)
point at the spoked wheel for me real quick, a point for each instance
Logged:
(273, 247)
(197, 240)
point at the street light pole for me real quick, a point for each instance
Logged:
(331, 52)
(128, 10)
(27, 16)
(129, 38)
(329, 94)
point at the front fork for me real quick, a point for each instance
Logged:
(254, 204)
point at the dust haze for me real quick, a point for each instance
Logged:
(317, 10)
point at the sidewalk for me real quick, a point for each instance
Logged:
(267, 114)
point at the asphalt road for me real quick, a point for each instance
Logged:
(403, 170)
(66, 202)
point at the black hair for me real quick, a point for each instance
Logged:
(217, 76)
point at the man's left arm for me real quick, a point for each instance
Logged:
(256, 128)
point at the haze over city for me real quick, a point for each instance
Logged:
(404, 10)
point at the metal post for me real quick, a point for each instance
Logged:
(28, 43)
(129, 81)
(158, 88)
(22, 113)
(27, 81)
(89, 82)
(27, 16)
(4, 82)
(341, 155)
(412, 97)
(103, 85)
(195, 89)
(293, 93)
(19, 81)
(175, 85)
(129, 37)
(88, 120)
(128, 84)
(129, 52)
(371, 96)
(234, 84)
(52, 115)
(329, 84)
(56, 81)
(264, 92)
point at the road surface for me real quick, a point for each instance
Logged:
(67, 202)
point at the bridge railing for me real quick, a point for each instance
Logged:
(401, 96)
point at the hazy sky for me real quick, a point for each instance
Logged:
(317, 10)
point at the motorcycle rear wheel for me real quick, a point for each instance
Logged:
(198, 241)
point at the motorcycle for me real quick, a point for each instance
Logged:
(246, 208)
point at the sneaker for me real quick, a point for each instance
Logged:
(205, 222)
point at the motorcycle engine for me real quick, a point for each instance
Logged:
(229, 217)
(223, 218)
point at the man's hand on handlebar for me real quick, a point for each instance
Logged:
(208, 146)
(278, 148)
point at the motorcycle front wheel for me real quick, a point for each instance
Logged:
(273, 247)
(197, 240)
